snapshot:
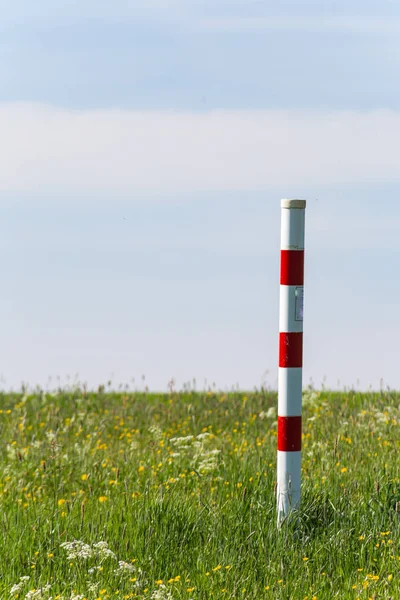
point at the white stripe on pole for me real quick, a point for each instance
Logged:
(289, 482)
(289, 399)
(290, 308)
(290, 357)
(292, 224)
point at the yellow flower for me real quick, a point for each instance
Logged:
(159, 581)
(361, 537)
(390, 577)
(84, 477)
(305, 558)
(190, 589)
(141, 469)
(61, 502)
(103, 499)
(50, 555)
(344, 470)
(217, 568)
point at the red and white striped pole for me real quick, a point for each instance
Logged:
(290, 356)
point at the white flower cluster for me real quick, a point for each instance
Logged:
(94, 569)
(17, 587)
(38, 594)
(102, 551)
(204, 460)
(181, 443)
(156, 432)
(208, 460)
(124, 567)
(269, 414)
(203, 436)
(161, 594)
(310, 397)
(79, 550)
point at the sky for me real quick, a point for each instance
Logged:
(144, 150)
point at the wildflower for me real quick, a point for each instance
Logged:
(125, 567)
(305, 558)
(178, 441)
(16, 588)
(343, 470)
(203, 436)
(217, 568)
(84, 477)
(77, 549)
(161, 594)
(103, 551)
(38, 593)
(103, 499)
(61, 502)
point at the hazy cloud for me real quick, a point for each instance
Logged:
(366, 24)
(45, 149)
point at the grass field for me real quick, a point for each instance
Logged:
(117, 495)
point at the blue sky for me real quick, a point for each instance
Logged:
(144, 153)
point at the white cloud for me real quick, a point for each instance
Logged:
(51, 149)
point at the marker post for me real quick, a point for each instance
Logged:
(290, 357)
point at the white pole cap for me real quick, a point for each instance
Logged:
(293, 203)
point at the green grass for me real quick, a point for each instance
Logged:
(195, 518)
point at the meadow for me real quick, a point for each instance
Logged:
(172, 496)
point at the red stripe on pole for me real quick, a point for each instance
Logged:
(292, 267)
(291, 350)
(289, 434)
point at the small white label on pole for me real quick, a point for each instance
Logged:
(299, 304)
